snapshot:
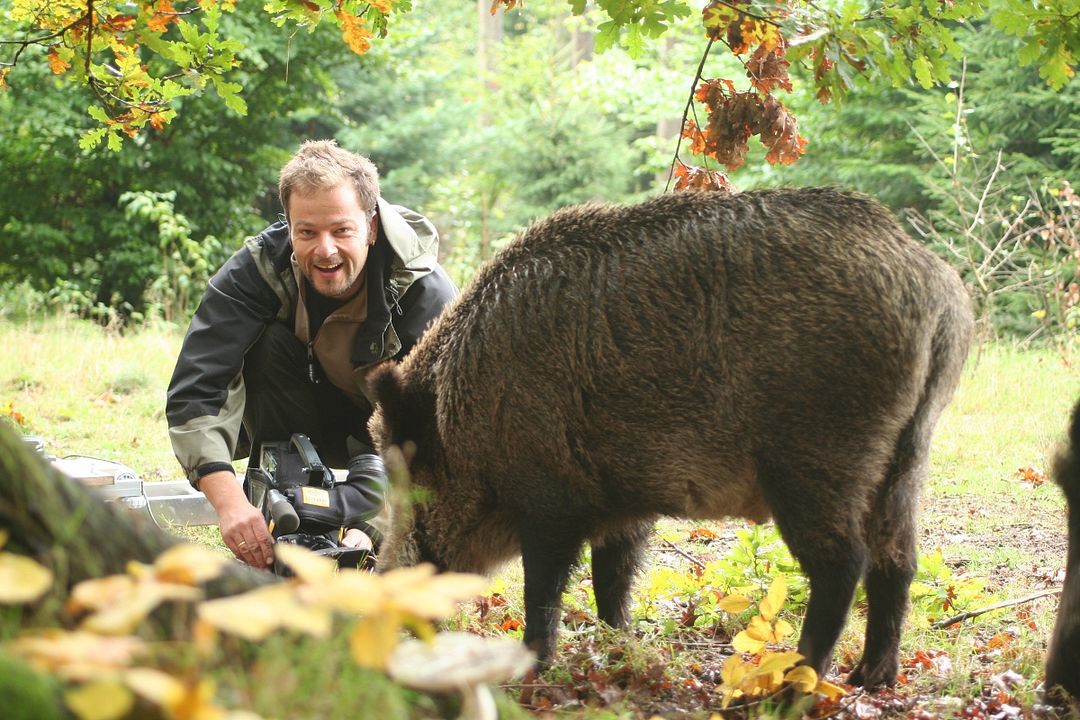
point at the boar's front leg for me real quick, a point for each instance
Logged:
(548, 554)
(616, 557)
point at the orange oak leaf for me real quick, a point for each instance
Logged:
(164, 13)
(355, 32)
(508, 5)
(56, 63)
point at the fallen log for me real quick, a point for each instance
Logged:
(66, 527)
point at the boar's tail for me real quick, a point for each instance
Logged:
(1063, 660)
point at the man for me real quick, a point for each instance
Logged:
(289, 327)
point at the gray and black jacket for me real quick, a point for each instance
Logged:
(259, 285)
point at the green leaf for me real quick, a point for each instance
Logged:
(634, 42)
(229, 92)
(114, 141)
(577, 6)
(923, 72)
(98, 113)
(92, 138)
(1057, 70)
(607, 35)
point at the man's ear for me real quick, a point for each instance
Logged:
(373, 227)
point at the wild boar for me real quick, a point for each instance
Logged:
(1063, 660)
(780, 352)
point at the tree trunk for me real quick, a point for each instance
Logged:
(61, 524)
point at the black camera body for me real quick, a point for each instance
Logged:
(303, 502)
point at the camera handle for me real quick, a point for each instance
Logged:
(283, 513)
(318, 474)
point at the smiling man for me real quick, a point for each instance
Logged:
(289, 328)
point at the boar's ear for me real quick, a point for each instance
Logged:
(405, 414)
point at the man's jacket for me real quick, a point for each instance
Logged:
(406, 289)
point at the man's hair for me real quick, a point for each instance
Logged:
(322, 165)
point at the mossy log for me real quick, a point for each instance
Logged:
(64, 526)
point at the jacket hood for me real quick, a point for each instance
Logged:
(412, 236)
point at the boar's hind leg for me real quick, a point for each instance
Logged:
(615, 560)
(819, 524)
(548, 554)
(890, 536)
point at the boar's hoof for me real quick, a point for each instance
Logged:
(883, 674)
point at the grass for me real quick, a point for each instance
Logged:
(987, 535)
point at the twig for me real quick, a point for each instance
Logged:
(686, 110)
(941, 624)
(691, 558)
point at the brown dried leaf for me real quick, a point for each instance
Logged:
(692, 177)
(768, 69)
(780, 133)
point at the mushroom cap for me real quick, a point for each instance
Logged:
(458, 659)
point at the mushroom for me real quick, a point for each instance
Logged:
(463, 662)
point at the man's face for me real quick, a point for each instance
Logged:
(330, 236)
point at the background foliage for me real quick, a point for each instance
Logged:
(484, 123)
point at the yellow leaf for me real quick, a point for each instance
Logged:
(781, 630)
(733, 670)
(21, 579)
(189, 564)
(204, 638)
(105, 700)
(76, 655)
(312, 621)
(803, 678)
(734, 604)
(195, 702)
(771, 662)
(829, 690)
(158, 687)
(437, 598)
(252, 616)
(373, 639)
(307, 566)
(1039, 314)
(760, 629)
(259, 612)
(745, 643)
(400, 578)
(4, 534)
(383, 6)
(126, 613)
(348, 591)
(774, 599)
(99, 592)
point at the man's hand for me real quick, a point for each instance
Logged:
(242, 525)
(356, 538)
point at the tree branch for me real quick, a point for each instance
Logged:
(686, 110)
(942, 624)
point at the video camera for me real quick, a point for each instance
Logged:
(304, 504)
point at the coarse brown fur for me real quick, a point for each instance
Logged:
(1063, 660)
(779, 352)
